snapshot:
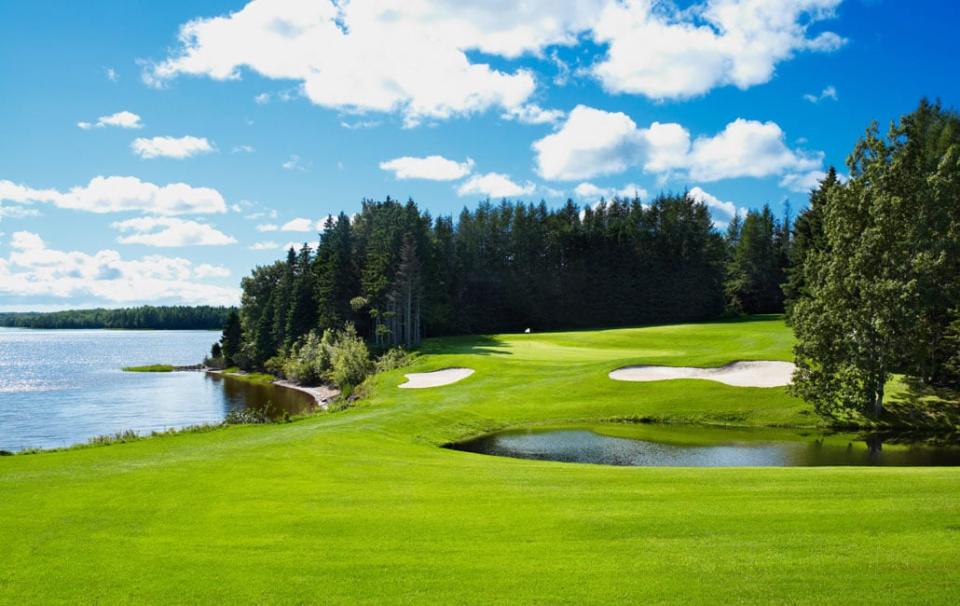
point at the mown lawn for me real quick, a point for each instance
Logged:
(363, 506)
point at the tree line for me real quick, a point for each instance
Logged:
(176, 317)
(397, 274)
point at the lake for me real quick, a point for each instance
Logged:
(62, 387)
(652, 446)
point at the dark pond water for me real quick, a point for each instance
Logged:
(62, 387)
(677, 448)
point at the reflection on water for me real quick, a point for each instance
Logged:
(275, 401)
(62, 387)
(584, 445)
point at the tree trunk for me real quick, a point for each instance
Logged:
(408, 319)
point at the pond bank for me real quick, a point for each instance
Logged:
(322, 394)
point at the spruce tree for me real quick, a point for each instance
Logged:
(232, 338)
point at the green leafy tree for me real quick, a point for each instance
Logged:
(878, 296)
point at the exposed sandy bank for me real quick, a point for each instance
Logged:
(419, 380)
(738, 374)
(322, 394)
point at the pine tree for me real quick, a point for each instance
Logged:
(232, 338)
(405, 296)
(808, 236)
(282, 298)
(302, 308)
(335, 277)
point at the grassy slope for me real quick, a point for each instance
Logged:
(361, 506)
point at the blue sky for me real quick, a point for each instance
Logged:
(154, 152)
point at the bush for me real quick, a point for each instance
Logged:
(309, 362)
(339, 357)
(394, 358)
(276, 365)
(349, 359)
(248, 416)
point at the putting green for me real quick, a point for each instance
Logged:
(362, 506)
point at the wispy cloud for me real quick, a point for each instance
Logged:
(295, 163)
(829, 92)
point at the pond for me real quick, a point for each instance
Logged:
(649, 446)
(63, 387)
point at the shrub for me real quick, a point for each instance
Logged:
(276, 365)
(340, 357)
(127, 435)
(309, 362)
(247, 416)
(394, 358)
(349, 359)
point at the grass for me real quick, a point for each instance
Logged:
(261, 378)
(149, 368)
(362, 506)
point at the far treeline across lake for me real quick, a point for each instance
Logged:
(146, 317)
(868, 274)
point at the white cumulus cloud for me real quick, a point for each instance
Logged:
(388, 56)
(170, 232)
(590, 143)
(171, 147)
(661, 51)
(300, 224)
(747, 148)
(434, 168)
(414, 57)
(594, 143)
(32, 269)
(123, 119)
(118, 194)
(720, 210)
(494, 185)
(205, 270)
(590, 191)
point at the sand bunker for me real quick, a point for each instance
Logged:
(419, 380)
(738, 374)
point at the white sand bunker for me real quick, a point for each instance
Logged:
(738, 374)
(419, 380)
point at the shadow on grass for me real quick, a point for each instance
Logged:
(480, 345)
(924, 407)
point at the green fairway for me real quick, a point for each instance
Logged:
(363, 506)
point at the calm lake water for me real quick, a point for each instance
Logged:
(693, 448)
(62, 387)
